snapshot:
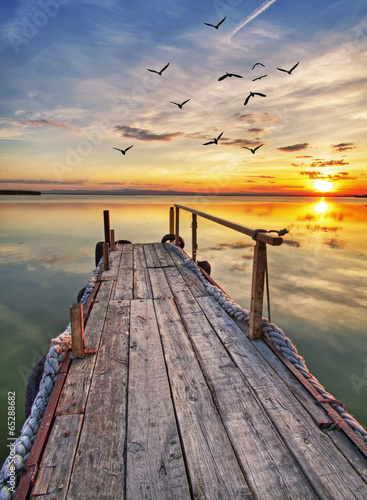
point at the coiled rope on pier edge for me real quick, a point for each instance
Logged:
(12, 468)
(278, 338)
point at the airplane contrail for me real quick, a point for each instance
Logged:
(252, 16)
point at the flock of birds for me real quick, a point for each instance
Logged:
(227, 75)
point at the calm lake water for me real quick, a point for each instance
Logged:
(318, 277)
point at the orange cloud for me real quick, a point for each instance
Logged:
(343, 146)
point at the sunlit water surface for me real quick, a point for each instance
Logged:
(318, 277)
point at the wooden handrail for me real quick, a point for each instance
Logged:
(264, 237)
(259, 262)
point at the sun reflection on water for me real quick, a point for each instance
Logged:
(321, 207)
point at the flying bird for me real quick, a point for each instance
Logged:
(214, 141)
(180, 105)
(123, 151)
(258, 64)
(230, 75)
(253, 151)
(217, 26)
(252, 94)
(158, 72)
(259, 78)
(290, 71)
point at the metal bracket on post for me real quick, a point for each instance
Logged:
(77, 332)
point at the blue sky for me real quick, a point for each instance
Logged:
(75, 84)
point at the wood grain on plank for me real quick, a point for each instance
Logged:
(151, 255)
(94, 326)
(162, 250)
(59, 457)
(327, 470)
(160, 287)
(142, 286)
(245, 419)
(114, 264)
(99, 464)
(124, 281)
(212, 464)
(155, 467)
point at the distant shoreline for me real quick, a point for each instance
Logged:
(19, 192)
(151, 192)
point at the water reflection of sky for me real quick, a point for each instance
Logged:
(318, 286)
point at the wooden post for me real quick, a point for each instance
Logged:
(106, 220)
(177, 230)
(194, 227)
(171, 221)
(106, 260)
(257, 289)
(77, 330)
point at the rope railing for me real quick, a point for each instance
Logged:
(262, 237)
(13, 467)
(281, 342)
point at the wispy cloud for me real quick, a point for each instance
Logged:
(145, 135)
(43, 121)
(330, 163)
(295, 147)
(343, 146)
(252, 16)
(339, 176)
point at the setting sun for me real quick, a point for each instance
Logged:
(323, 186)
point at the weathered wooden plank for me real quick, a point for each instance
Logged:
(326, 469)
(99, 464)
(245, 419)
(42, 482)
(74, 394)
(154, 466)
(124, 282)
(176, 259)
(191, 279)
(142, 286)
(160, 287)
(151, 255)
(94, 326)
(163, 254)
(114, 262)
(212, 465)
(75, 391)
(59, 457)
(343, 443)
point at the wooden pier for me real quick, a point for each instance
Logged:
(173, 401)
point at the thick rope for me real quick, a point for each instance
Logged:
(278, 338)
(14, 464)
